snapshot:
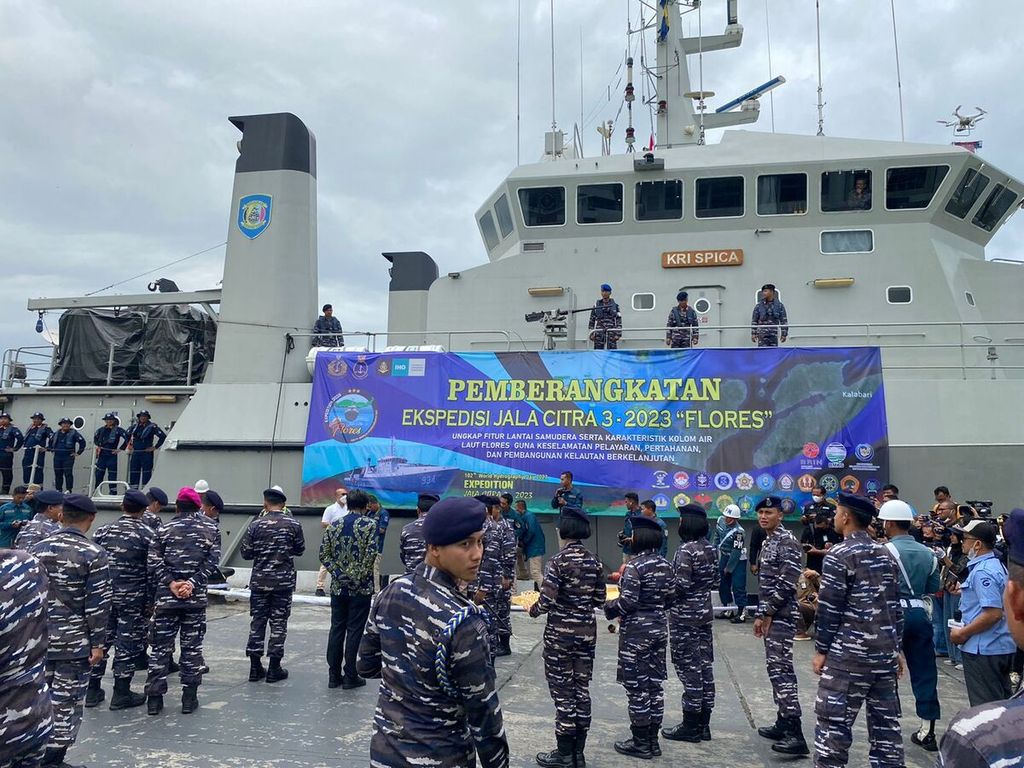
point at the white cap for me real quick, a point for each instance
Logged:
(733, 512)
(278, 488)
(894, 509)
(201, 486)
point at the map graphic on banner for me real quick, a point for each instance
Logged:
(715, 426)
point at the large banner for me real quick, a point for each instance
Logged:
(716, 426)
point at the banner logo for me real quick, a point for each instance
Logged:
(681, 480)
(350, 416)
(254, 215)
(864, 452)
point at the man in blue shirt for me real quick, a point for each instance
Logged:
(648, 509)
(13, 515)
(985, 639)
(532, 542)
(632, 508)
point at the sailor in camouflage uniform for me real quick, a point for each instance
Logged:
(572, 589)
(44, 523)
(485, 590)
(272, 542)
(507, 537)
(127, 541)
(860, 623)
(769, 319)
(435, 709)
(26, 722)
(78, 609)
(110, 440)
(157, 502)
(605, 321)
(696, 575)
(182, 556)
(992, 734)
(683, 327)
(646, 592)
(778, 568)
(412, 547)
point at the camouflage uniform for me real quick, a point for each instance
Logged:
(646, 592)
(860, 625)
(127, 541)
(79, 607)
(152, 520)
(24, 699)
(412, 547)
(766, 321)
(690, 620)
(272, 542)
(416, 721)
(573, 587)
(684, 327)
(34, 531)
(778, 568)
(986, 736)
(507, 536)
(605, 324)
(488, 580)
(185, 549)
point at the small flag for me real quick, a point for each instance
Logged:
(650, 144)
(970, 146)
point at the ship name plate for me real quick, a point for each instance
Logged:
(726, 257)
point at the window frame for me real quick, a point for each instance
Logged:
(935, 194)
(699, 179)
(992, 197)
(807, 194)
(508, 210)
(682, 201)
(969, 298)
(847, 229)
(565, 202)
(654, 301)
(821, 188)
(978, 172)
(622, 218)
(899, 303)
(489, 216)
(698, 300)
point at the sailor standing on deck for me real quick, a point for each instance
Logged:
(605, 321)
(11, 441)
(140, 445)
(66, 444)
(330, 328)
(769, 322)
(428, 644)
(33, 461)
(683, 326)
(412, 546)
(110, 440)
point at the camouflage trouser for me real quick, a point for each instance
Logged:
(606, 339)
(693, 656)
(840, 695)
(166, 626)
(504, 628)
(767, 336)
(568, 668)
(68, 680)
(492, 618)
(273, 606)
(778, 652)
(126, 631)
(30, 758)
(644, 681)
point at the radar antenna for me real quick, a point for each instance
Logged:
(963, 125)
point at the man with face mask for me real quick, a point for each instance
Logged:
(819, 504)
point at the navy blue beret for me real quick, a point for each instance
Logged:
(136, 497)
(769, 502)
(576, 512)
(1013, 532)
(157, 495)
(452, 520)
(859, 503)
(429, 497)
(642, 521)
(693, 509)
(80, 502)
(490, 501)
(605, 287)
(214, 500)
(682, 295)
(48, 498)
(273, 495)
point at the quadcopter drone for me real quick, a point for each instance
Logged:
(963, 125)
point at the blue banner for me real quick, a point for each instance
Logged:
(715, 426)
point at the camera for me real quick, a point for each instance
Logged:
(983, 508)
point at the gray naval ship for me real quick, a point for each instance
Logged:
(871, 243)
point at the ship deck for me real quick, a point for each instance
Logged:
(300, 722)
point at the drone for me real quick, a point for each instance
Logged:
(964, 125)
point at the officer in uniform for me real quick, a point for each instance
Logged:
(33, 461)
(573, 586)
(27, 722)
(487, 588)
(507, 539)
(732, 563)
(272, 542)
(778, 568)
(11, 441)
(330, 326)
(566, 495)
(993, 734)
(181, 559)
(860, 625)
(44, 523)
(605, 321)
(696, 574)
(412, 547)
(682, 323)
(110, 440)
(14, 515)
(127, 541)
(78, 608)
(919, 578)
(769, 319)
(66, 444)
(157, 502)
(382, 518)
(428, 644)
(140, 445)
(819, 505)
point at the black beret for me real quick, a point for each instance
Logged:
(273, 495)
(136, 497)
(682, 295)
(859, 503)
(326, 307)
(768, 286)
(1013, 532)
(80, 502)
(490, 501)
(214, 500)
(769, 502)
(642, 521)
(579, 514)
(49, 498)
(429, 497)
(693, 509)
(452, 520)
(157, 495)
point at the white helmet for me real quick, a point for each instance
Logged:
(732, 512)
(201, 486)
(894, 509)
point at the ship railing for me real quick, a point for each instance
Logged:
(27, 366)
(376, 341)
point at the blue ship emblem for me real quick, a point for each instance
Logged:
(254, 215)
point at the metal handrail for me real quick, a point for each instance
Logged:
(371, 336)
(16, 368)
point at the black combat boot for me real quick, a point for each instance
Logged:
(773, 732)
(652, 739)
(793, 742)
(705, 721)
(561, 756)
(189, 700)
(276, 672)
(504, 646)
(94, 694)
(123, 698)
(334, 678)
(579, 746)
(54, 756)
(172, 666)
(636, 746)
(688, 730)
(141, 662)
(154, 705)
(256, 670)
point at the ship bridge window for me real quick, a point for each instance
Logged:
(504, 214)
(489, 232)
(899, 294)
(971, 185)
(996, 204)
(543, 206)
(912, 188)
(848, 241)
(643, 302)
(782, 194)
(846, 191)
(599, 204)
(659, 200)
(719, 198)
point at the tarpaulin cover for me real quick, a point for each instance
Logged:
(165, 346)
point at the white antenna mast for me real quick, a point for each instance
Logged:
(771, 69)
(700, 70)
(554, 124)
(899, 80)
(821, 105)
(519, 35)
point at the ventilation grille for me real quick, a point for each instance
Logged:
(532, 247)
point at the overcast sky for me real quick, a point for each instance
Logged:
(117, 157)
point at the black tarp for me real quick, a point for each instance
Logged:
(165, 346)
